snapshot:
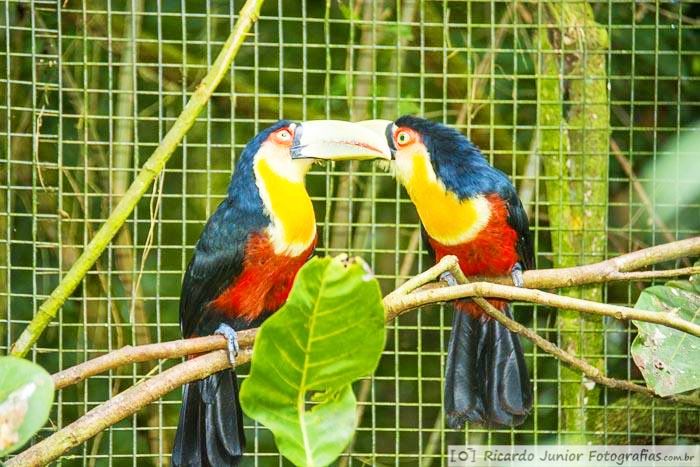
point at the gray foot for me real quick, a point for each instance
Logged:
(449, 278)
(231, 338)
(517, 274)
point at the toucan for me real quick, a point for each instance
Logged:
(471, 210)
(244, 264)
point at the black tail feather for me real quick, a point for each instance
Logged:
(463, 399)
(210, 430)
(187, 448)
(486, 379)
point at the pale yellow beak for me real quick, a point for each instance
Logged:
(384, 128)
(338, 140)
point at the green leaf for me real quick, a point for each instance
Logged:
(668, 358)
(329, 333)
(26, 395)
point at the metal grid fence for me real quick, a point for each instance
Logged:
(87, 89)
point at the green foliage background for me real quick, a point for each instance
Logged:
(88, 88)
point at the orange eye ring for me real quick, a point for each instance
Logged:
(283, 136)
(403, 137)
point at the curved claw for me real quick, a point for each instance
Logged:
(232, 340)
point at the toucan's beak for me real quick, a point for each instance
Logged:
(384, 128)
(338, 140)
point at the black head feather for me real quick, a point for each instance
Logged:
(464, 170)
(243, 174)
(457, 162)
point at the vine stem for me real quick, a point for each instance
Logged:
(150, 170)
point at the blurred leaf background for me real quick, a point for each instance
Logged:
(87, 89)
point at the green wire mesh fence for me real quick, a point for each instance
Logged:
(87, 90)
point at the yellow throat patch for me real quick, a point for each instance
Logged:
(293, 221)
(446, 218)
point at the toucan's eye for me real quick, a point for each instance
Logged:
(403, 138)
(283, 136)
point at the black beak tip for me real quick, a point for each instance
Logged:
(296, 142)
(295, 152)
(390, 140)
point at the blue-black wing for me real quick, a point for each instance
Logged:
(517, 218)
(216, 263)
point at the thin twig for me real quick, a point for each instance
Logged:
(482, 70)
(667, 13)
(412, 252)
(641, 192)
(35, 151)
(123, 163)
(407, 11)
(590, 371)
(156, 198)
(433, 442)
(359, 102)
(586, 368)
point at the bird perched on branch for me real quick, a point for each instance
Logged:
(471, 210)
(244, 265)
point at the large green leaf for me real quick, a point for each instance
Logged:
(329, 333)
(26, 395)
(669, 358)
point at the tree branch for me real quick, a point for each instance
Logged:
(408, 296)
(400, 304)
(403, 299)
(143, 353)
(641, 192)
(121, 406)
(586, 368)
(614, 269)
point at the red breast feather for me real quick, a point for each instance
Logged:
(491, 253)
(265, 281)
